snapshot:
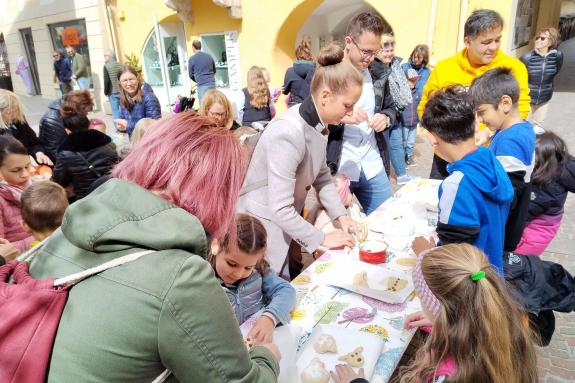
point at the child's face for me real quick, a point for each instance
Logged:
(491, 116)
(16, 170)
(233, 267)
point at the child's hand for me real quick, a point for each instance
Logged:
(8, 250)
(121, 124)
(345, 374)
(417, 319)
(420, 244)
(263, 330)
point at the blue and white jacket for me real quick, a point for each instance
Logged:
(473, 204)
(514, 147)
(270, 292)
(149, 107)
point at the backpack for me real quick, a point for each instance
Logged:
(31, 310)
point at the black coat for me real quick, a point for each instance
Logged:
(297, 81)
(541, 71)
(84, 157)
(383, 104)
(52, 133)
(549, 199)
(24, 133)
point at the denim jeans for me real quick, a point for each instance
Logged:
(409, 135)
(202, 89)
(83, 82)
(396, 151)
(65, 87)
(115, 105)
(371, 193)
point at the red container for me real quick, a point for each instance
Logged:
(373, 252)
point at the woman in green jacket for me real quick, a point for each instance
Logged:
(165, 310)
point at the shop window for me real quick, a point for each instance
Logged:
(5, 79)
(72, 33)
(152, 63)
(215, 45)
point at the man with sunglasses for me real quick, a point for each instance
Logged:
(357, 147)
(482, 37)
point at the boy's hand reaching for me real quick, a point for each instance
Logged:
(420, 244)
(263, 330)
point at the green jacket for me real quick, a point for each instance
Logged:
(164, 310)
(79, 68)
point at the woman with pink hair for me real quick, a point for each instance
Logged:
(172, 194)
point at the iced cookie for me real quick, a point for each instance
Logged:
(315, 372)
(360, 280)
(354, 358)
(325, 343)
(395, 284)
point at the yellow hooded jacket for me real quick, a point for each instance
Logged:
(457, 70)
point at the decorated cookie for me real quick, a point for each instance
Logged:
(354, 358)
(325, 343)
(315, 372)
(394, 284)
(360, 280)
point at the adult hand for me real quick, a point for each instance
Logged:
(379, 122)
(338, 238)
(8, 250)
(359, 115)
(417, 319)
(274, 350)
(263, 330)
(41, 158)
(420, 244)
(350, 226)
(121, 124)
(482, 136)
(345, 374)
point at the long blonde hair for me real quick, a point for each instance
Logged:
(9, 101)
(214, 96)
(479, 324)
(258, 88)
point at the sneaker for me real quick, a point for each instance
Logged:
(410, 161)
(402, 180)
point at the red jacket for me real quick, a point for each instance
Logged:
(10, 216)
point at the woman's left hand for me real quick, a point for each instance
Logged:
(263, 330)
(41, 158)
(348, 225)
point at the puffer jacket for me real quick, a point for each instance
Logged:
(541, 70)
(24, 133)
(164, 310)
(255, 292)
(51, 132)
(549, 199)
(149, 107)
(297, 81)
(84, 157)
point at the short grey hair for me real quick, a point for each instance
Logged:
(482, 20)
(110, 53)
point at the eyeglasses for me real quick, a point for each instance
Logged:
(542, 38)
(365, 54)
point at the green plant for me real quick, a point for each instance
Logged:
(134, 61)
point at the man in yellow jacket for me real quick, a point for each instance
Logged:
(482, 37)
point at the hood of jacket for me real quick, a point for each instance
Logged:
(121, 215)
(303, 68)
(500, 60)
(479, 168)
(85, 140)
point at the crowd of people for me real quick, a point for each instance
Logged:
(218, 196)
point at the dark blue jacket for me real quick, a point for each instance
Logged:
(63, 70)
(409, 116)
(149, 107)
(473, 204)
(297, 81)
(514, 147)
(202, 69)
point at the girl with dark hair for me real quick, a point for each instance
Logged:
(137, 100)
(553, 177)
(15, 169)
(248, 281)
(418, 60)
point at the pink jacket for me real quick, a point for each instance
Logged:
(10, 216)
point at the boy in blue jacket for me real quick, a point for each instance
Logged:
(474, 200)
(495, 95)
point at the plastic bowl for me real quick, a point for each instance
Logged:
(373, 252)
